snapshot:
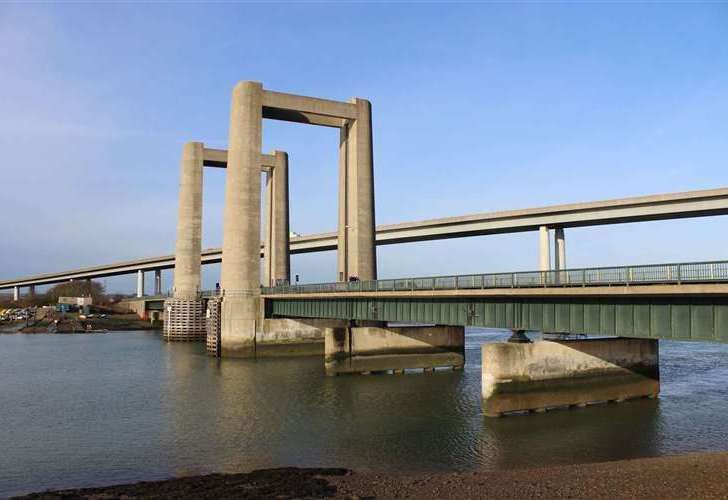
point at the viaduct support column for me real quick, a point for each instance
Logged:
(157, 282)
(240, 271)
(184, 317)
(16, 293)
(559, 249)
(544, 258)
(140, 283)
(356, 250)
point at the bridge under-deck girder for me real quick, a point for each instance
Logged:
(660, 311)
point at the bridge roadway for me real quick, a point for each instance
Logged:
(670, 301)
(701, 203)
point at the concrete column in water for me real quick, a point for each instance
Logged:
(140, 283)
(280, 232)
(543, 249)
(31, 290)
(559, 249)
(16, 293)
(189, 223)
(240, 270)
(356, 246)
(157, 282)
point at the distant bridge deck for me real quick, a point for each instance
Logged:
(708, 202)
(686, 301)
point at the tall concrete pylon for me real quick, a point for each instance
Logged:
(185, 311)
(277, 257)
(240, 265)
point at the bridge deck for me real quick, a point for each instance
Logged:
(671, 301)
(708, 202)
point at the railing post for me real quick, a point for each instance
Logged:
(513, 280)
(679, 273)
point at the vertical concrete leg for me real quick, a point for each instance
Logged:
(268, 229)
(157, 282)
(559, 254)
(140, 283)
(559, 249)
(16, 293)
(31, 290)
(280, 232)
(343, 230)
(187, 259)
(184, 317)
(357, 253)
(544, 258)
(240, 272)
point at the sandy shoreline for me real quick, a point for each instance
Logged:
(679, 476)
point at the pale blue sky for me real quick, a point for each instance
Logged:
(475, 108)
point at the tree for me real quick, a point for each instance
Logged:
(77, 289)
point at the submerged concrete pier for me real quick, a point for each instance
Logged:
(370, 349)
(546, 374)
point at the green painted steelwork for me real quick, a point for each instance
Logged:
(680, 318)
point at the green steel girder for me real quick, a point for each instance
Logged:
(680, 318)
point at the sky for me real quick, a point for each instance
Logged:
(476, 107)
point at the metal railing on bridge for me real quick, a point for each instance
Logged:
(692, 272)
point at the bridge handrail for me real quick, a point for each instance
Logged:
(678, 272)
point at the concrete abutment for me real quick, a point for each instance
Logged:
(547, 374)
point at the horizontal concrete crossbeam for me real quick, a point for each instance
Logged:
(702, 203)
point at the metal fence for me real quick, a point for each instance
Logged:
(692, 272)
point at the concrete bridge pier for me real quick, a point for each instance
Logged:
(370, 349)
(240, 270)
(16, 293)
(559, 249)
(544, 257)
(518, 377)
(184, 316)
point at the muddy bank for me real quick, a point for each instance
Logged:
(682, 476)
(71, 324)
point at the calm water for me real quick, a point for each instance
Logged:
(80, 410)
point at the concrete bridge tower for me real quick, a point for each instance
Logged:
(240, 275)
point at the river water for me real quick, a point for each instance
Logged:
(84, 410)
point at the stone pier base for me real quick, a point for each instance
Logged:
(381, 349)
(184, 320)
(548, 374)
